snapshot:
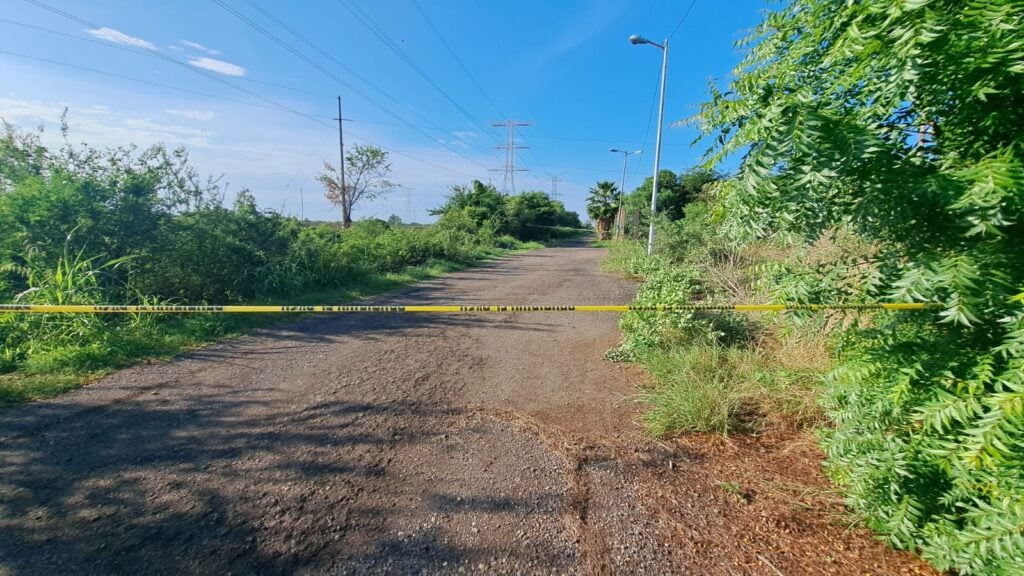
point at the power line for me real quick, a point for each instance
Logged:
(455, 56)
(388, 41)
(578, 168)
(131, 50)
(283, 25)
(283, 87)
(681, 20)
(157, 54)
(403, 153)
(650, 120)
(158, 84)
(208, 95)
(284, 44)
(317, 150)
(271, 104)
(136, 51)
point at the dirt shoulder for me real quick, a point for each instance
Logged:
(498, 443)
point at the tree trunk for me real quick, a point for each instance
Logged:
(346, 216)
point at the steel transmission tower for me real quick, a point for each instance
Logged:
(555, 179)
(510, 147)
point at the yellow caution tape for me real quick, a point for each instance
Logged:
(114, 309)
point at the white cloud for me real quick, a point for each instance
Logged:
(192, 114)
(200, 47)
(117, 37)
(218, 66)
(104, 129)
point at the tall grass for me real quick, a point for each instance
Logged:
(701, 388)
(715, 371)
(707, 387)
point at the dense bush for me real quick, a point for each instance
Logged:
(713, 371)
(80, 225)
(527, 216)
(675, 192)
(902, 123)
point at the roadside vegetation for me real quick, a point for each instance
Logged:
(85, 226)
(882, 150)
(716, 371)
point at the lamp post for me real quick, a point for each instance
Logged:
(635, 39)
(621, 228)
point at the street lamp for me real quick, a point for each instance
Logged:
(621, 228)
(635, 39)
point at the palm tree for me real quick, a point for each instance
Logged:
(602, 206)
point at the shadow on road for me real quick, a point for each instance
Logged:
(217, 483)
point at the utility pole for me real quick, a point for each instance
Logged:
(620, 218)
(510, 147)
(657, 148)
(622, 194)
(637, 39)
(341, 150)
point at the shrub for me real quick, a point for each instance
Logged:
(713, 371)
(480, 208)
(902, 122)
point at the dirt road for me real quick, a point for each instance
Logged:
(405, 444)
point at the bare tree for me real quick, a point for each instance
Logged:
(366, 177)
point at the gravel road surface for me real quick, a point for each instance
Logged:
(395, 444)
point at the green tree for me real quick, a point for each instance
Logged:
(695, 181)
(903, 120)
(483, 199)
(479, 208)
(602, 206)
(366, 177)
(535, 216)
(674, 191)
(479, 204)
(671, 196)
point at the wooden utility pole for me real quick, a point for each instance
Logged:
(341, 149)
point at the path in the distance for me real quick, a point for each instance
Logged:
(350, 444)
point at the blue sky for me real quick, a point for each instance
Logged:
(565, 66)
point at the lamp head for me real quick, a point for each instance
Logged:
(614, 150)
(637, 39)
